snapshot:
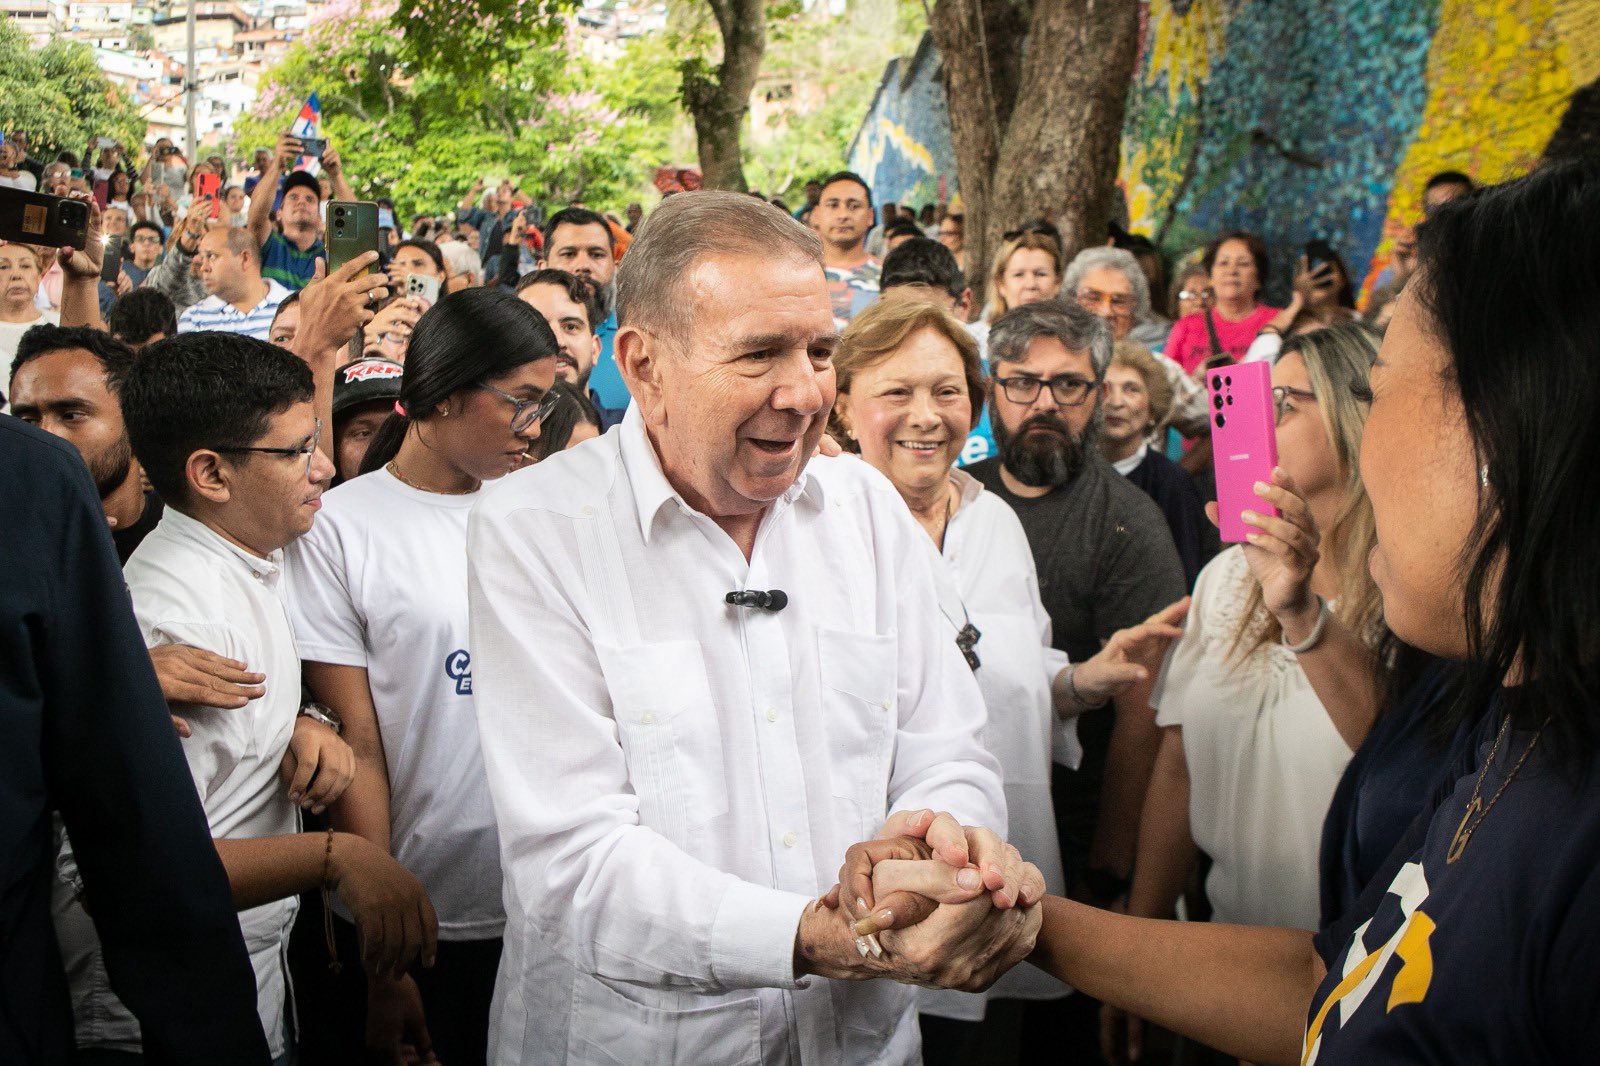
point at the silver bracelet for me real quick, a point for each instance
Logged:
(1323, 611)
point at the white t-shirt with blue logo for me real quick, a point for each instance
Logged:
(380, 582)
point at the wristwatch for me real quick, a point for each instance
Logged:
(318, 713)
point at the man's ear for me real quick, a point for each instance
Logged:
(964, 305)
(639, 357)
(209, 476)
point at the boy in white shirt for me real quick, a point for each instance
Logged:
(224, 427)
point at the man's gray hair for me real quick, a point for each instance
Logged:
(689, 227)
(1077, 330)
(1119, 259)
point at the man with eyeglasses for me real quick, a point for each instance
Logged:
(224, 426)
(1106, 561)
(843, 218)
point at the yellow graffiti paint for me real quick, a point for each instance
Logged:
(1499, 75)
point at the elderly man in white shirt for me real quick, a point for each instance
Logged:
(679, 758)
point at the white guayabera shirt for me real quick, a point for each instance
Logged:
(675, 779)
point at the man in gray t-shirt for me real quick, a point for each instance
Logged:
(1104, 555)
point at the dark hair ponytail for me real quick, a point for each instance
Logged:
(465, 338)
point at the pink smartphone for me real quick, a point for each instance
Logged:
(1244, 442)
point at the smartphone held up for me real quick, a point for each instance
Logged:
(46, 221)
(1244, 442)
(352, 230)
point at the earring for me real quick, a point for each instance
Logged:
(1483, 476)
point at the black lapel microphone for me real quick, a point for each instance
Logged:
(774, 600)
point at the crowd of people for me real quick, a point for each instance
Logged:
(732, 635)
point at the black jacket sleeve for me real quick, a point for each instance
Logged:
(112, 765)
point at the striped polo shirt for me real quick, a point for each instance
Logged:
(287, 265)
(215, 313)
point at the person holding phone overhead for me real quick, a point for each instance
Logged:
(290, 250)
(1323, 296)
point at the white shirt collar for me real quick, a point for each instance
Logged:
(652, 490)
(1131, 463)
(192, 530)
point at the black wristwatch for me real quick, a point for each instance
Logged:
(1105, 886)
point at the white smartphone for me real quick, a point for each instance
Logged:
(424, 286)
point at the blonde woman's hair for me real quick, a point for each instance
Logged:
(1137, 358)
(1338, 361)
(1041, 242)
(878, 332)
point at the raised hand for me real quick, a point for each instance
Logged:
(1284, 551)
(1131, 655)
(334, 307)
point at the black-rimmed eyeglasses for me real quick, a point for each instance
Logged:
(1068, 390)
(307, 448)
(1282, 394)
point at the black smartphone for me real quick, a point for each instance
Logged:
(314, 146)
(1317, 252)
(48, 221)
(111, 261)
(352, 229)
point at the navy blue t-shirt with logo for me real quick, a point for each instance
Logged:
(1492, 959)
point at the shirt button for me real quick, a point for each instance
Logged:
(772, 714)
(648, 718)
(588, 512)
(887, 704)
(790, 840)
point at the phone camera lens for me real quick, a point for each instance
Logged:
(1230, 401)
(1217, 400)
(1221, 421)
(1227, 381)
(339, 212)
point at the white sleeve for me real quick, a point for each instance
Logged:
(940, 761)
(211, 746)
(1171, 690)
(1265, 348)
(328, 626)
(614, 898)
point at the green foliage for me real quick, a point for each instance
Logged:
(420, 124)
(843, 56)
(58, 95)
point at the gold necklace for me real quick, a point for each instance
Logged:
(1475, 806)
(393, 467)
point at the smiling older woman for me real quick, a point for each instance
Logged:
(1478, 941)
(910, 390)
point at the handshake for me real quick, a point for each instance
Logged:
(927, 902)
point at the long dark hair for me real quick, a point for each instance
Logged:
(467, 337)
(1509, 277)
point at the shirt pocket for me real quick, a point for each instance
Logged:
(609, 1028)
(671, 738)
(858, 688)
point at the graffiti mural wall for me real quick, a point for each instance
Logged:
(903, 145)
(1302, 118)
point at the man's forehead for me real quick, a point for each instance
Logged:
(574, 235)
(743, 290)
(546, 295)
(58, 376)
(1048, 356)
(844, 187)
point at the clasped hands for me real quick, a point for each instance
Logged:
(928, 902)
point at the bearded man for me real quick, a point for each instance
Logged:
(1105, 560)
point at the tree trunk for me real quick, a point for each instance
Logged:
(718, 103)
(1036, 106)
